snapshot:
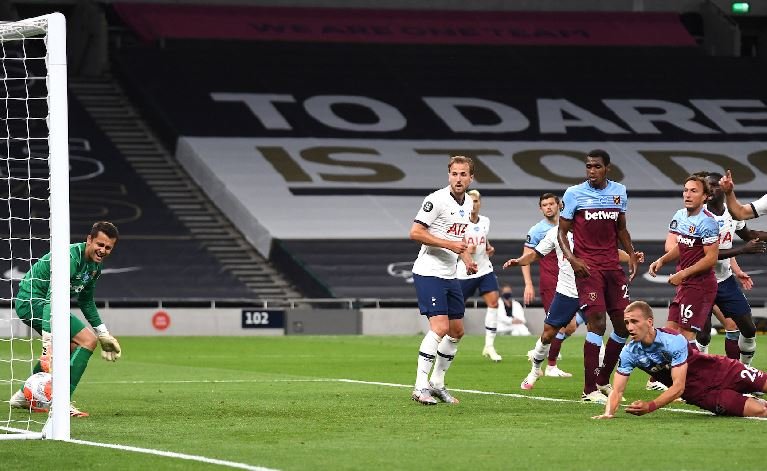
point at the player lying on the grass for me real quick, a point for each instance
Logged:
(711, 382)
(33, 306)
(565, 305)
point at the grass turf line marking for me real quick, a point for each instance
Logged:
(393, 385)
(171, 454)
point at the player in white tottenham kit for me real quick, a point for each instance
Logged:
(484, 280)
(740, 336)
(565, 305)
(741, 212)
(440, 226)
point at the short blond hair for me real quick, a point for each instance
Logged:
(474, 193)
(641, 306)
(461, 159)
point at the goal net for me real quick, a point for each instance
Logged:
(34, 214)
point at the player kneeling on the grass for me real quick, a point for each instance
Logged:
(711, 382)
(33, 306)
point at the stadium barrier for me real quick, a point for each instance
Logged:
(291, 317)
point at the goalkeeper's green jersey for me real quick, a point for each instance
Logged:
(83, 273)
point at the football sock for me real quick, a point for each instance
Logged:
(540, 353)
(556, 346)
(491, 325)
(426, 354)
(612, 352)
(77, 364)
(703, 348)
(591, 361)
(445, 354)
(747, 348)
(731, 348)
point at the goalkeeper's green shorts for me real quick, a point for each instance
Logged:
(31, 313)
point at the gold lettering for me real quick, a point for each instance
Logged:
(381, 172)
(663, 160)
(284, 164)
(531, 161)
(482, 173)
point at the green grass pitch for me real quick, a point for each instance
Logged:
(276, 402)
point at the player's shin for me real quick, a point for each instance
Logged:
(731, 348)
(747, 347)
(445, 354)
(78, 361)
(591, 361)
(540, 353)
(556, 346)
(426, 354)
(612, 352)
(491, 326)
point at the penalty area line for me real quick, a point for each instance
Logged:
(171, 454)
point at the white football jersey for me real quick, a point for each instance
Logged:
(566, 277)
(760, 206)
(446, 219)
(476, 235)
(727, 228)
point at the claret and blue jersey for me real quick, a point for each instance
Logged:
(668, 350)
(594, 214)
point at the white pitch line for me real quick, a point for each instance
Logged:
(170, 454)
(396, 385)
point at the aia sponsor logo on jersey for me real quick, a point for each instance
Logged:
(475, 241)
(600, 215)
(688, 241)
(457, 229)
(726, 237)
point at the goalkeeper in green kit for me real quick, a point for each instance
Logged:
(33, 306)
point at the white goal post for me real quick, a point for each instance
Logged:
(34, 145)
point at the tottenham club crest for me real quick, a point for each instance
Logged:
(462, 212)
(427, 206)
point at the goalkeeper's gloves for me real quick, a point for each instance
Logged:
(110, 347)
(45, 357)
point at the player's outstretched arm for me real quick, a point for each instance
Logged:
(674, 392)
(526, 259)
(614, 399)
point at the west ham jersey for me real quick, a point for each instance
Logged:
(669, 349)
(447, 219)
(550, 245)
(548, 265)
(727, 228)
(594, 215)
(476, 235)
(692, 234)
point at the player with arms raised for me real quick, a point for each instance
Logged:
(33, 306)
(697, 249)
(440, 226)
(595, 212)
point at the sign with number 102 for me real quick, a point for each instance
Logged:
(263, 319)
